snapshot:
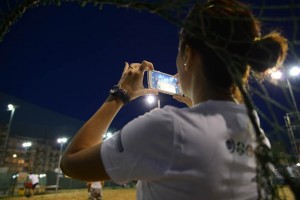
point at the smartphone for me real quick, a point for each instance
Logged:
(165, 83)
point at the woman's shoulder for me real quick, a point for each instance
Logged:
(219, 106)
(163, 112)
(157, 117)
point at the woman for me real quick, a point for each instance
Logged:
(205, 151)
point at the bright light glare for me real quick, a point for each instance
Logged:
(10, 107)
(295, 71)
(150, 99)
(15, 155)
(276, 75)
(27, 144)
(42, 175)
(109, 135)
(62, 140)
(298, 164)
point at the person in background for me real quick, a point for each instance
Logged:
(204, 151)
(34, 178)
(95, 190)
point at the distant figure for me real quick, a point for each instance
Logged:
(34, 179)
(95, 190)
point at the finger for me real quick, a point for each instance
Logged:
(146, 66)
(126, 67)
(134, 65)
(177, 97)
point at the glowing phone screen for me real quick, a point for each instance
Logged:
(164, 82)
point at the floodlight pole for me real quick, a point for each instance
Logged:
(292, 95)
(11, 108)
(158, 103)
(61, 141)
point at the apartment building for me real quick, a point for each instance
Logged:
(30, 154)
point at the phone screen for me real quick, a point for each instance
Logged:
(165, 83)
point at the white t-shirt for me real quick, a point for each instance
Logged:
(203, 152)
(34, 178)
(96, 185)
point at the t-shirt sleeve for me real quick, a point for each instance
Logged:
(141, 150)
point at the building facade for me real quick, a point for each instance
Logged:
(25, 154)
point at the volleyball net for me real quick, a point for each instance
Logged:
(276, 98)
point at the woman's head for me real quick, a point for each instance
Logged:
(225, 33)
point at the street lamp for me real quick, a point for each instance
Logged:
(26, 145)
(12, 108)
(61, 141)
(151, 100)
(293, 72)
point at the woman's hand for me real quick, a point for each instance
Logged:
(82, 159)
(132, 79)
(183, 99)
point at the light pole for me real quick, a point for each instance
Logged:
(292, 119)
(293, 72)
(151, 99)
(12, 108)
(26, 145)
(61, 141)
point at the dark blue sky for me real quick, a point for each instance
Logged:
(66, 58)
(63, 60)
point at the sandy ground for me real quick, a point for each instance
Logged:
(81, 194)
(108, 194)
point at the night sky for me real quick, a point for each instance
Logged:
(58, 64)
(65, 59)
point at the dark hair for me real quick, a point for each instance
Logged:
(225, 32)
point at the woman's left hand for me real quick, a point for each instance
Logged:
(132, 79)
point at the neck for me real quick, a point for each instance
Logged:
(202, 91)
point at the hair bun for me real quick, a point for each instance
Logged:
(267, 52)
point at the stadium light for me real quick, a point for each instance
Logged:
(151, 100)
(294, 71)
(26, 144)
(107, 135)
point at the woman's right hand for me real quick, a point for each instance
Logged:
(132, 79)
(183, 99)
